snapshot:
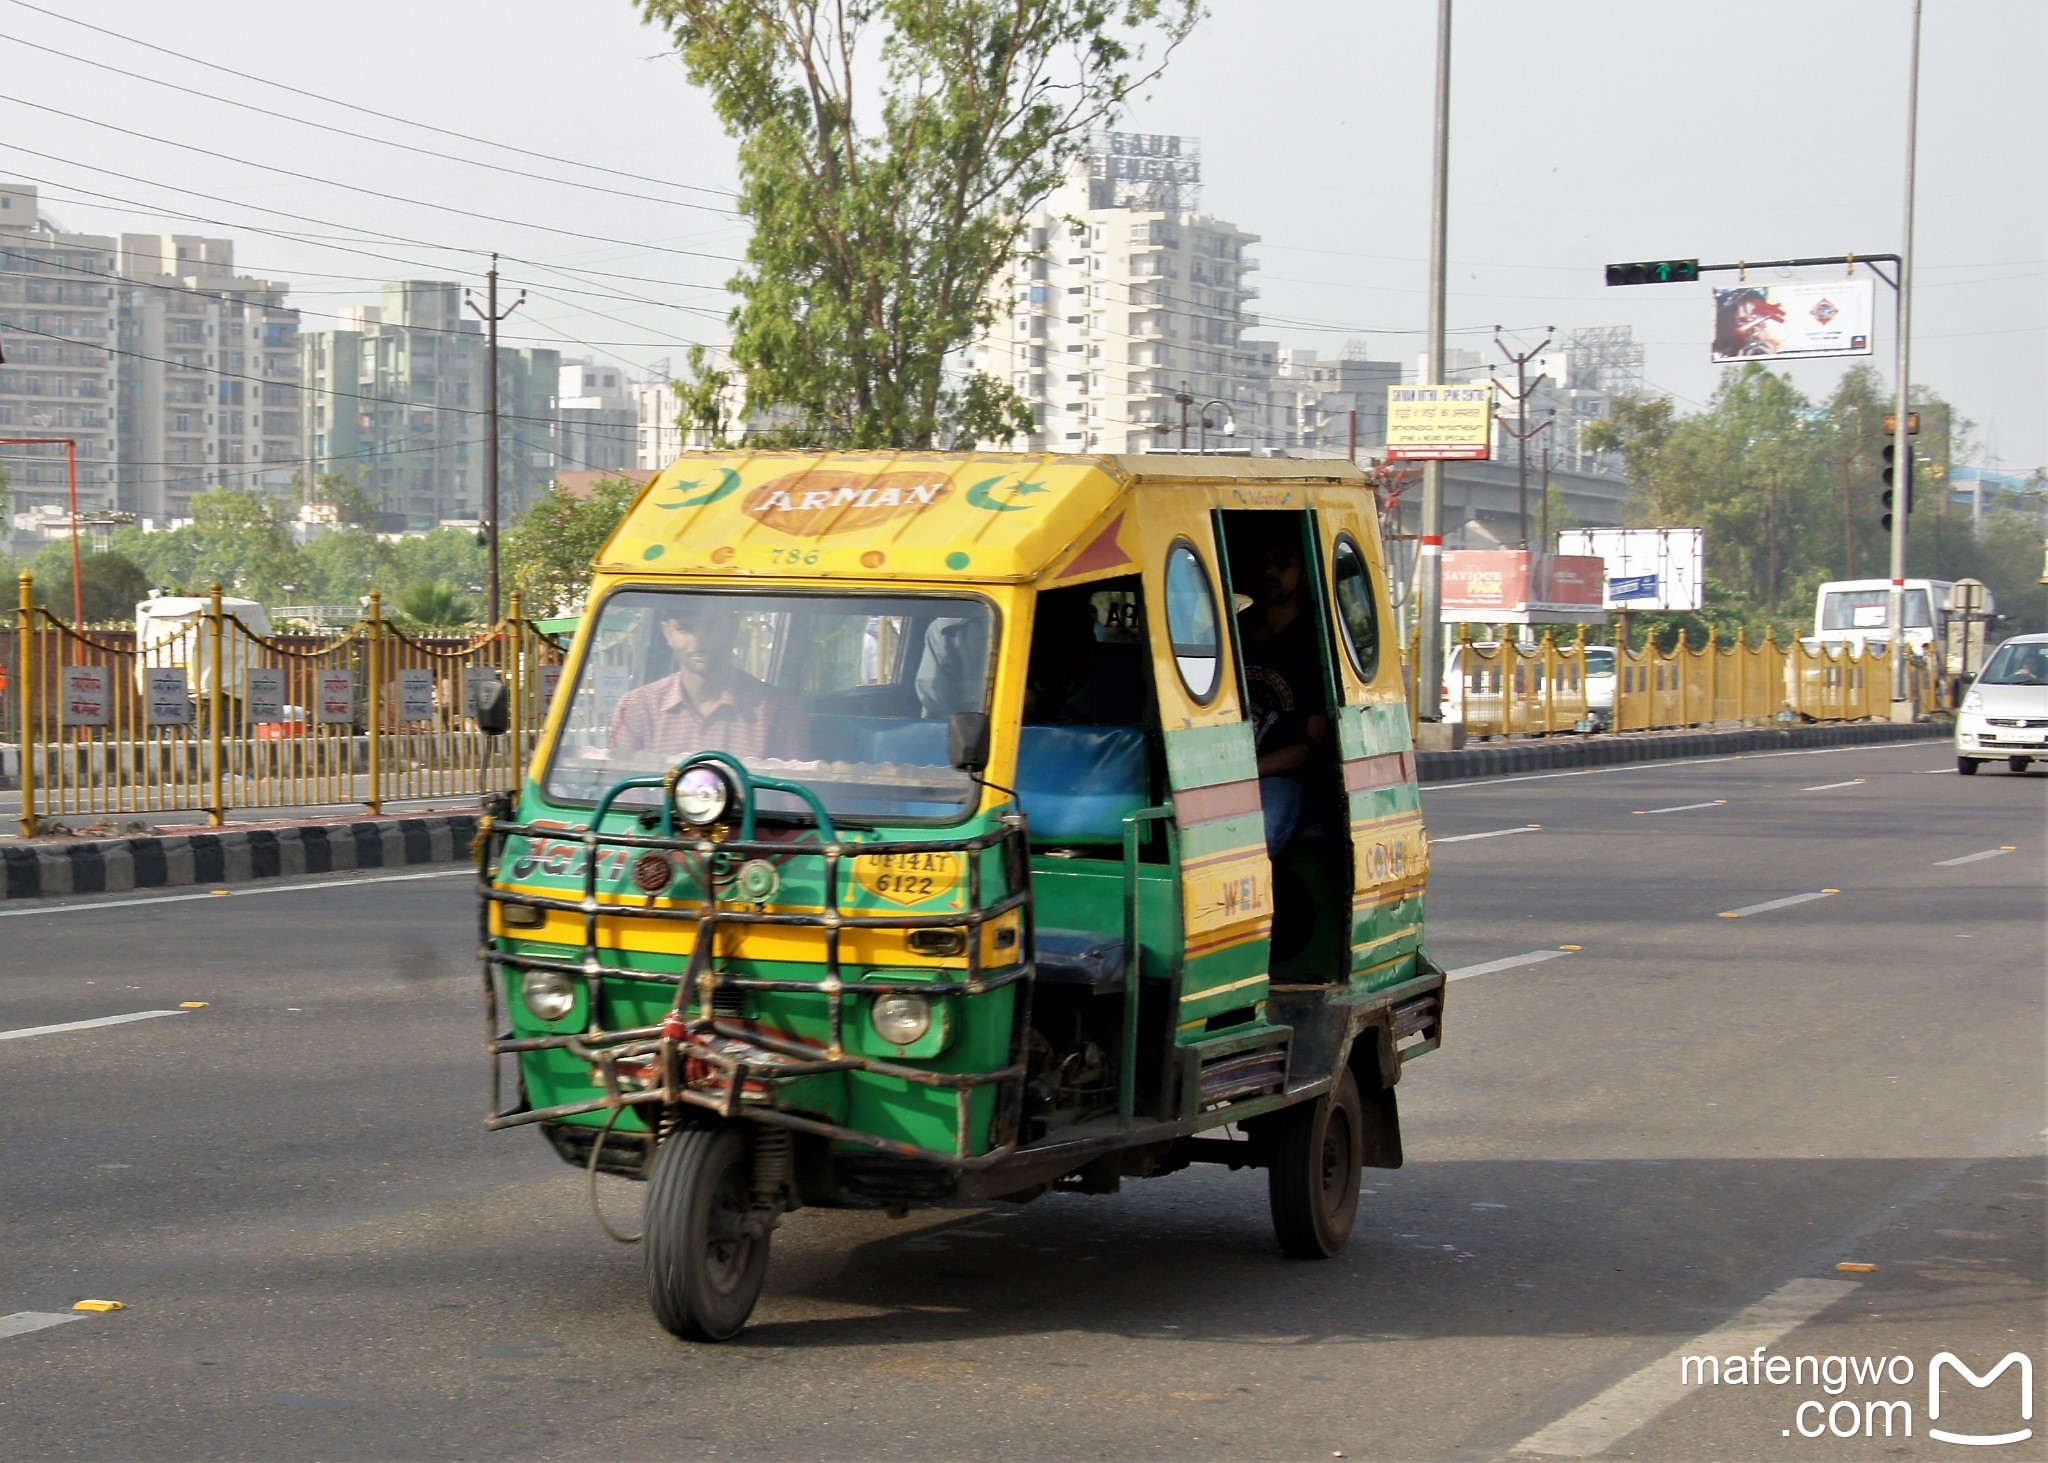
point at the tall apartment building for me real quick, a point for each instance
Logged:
(208, 378)
(600, 422)
(59, 308)
(395, 403)
(1125, 297)
(1324, 407)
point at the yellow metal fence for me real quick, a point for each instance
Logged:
(211, 715)
(1508, 690)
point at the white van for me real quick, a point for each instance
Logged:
(1857, 612)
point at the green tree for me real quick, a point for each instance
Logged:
(888, 150)
(548, 552)
(435, 607)
(345, 564)
(112, 583)
(450, 555)
(348, 501)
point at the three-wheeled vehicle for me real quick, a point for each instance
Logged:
(900, 836)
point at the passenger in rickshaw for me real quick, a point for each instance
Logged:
(709, 702)
(1284, 678)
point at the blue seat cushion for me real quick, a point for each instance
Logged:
(1080, 958)
(1078, 782)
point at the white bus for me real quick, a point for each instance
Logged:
(1855, 611)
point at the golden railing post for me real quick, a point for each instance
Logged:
(373, 639)
(216, 812)
(516, 651)
(25, 672)
(1415, 671)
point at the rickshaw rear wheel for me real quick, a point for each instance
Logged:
(705, 1258)
(1318, 1158)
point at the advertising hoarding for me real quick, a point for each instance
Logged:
(1647, 568)
(1519, 587)
(1796, 321)
(1439, 423)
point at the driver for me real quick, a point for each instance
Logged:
(709, 704)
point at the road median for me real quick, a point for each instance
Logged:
(1559, 754)
(48, 867)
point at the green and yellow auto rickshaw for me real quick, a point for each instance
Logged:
(917, 828)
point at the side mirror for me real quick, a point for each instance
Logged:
(490, 705)
(967, 740)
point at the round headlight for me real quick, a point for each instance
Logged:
(702, 795)
(901, 1018)
(549, 994)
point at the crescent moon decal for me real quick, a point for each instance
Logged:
(978, 495)
(728, 484)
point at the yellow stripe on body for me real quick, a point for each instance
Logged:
(1217, 990)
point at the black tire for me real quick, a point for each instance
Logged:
(704, 1270)
(1318, 1159)
(2019, 764)
(1967, 766)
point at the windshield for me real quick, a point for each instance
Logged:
(1870, 609)
(847, 694)
(2017, 663)
(1599, 660)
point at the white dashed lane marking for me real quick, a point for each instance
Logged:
(1823, 787)
(1640, 1399)
(1530, 957)
(23, 1322)
(1491, 833)
(1970, 858)
(1769, 904)
(21, 1031)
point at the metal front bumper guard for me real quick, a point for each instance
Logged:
(705, 1060)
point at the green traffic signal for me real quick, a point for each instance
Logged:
(1657, 271)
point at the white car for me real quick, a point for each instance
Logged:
(2005, 712)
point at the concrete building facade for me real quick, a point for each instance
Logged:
(396, 403)
(59, 314)
(1124, 298)
(208, 378)
(600, 423)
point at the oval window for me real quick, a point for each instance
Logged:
(1357, 610)
(1191, 622)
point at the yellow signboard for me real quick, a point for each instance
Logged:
(1426, 423)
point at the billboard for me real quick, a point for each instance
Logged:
(1791, 322)
(1439, 423)
(1647, 568)
(1518, 587)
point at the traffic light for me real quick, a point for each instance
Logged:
(1890, 462)
(1659, 271)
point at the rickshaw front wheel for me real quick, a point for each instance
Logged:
(705, 1257)
(1318, 1159)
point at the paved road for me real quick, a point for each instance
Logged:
(1662, 1140)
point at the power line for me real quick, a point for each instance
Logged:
(330, 183)
(370, 111)
(159, 211)
(226, 295)
(467, 411)
(368, 137)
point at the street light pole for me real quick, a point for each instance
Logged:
(1429, 562)
(1902, 443)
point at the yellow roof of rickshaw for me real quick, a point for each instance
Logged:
(900, 515)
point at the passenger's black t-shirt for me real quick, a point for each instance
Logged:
(1284, 676)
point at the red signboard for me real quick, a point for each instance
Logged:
(1516, 584)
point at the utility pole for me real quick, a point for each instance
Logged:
(1522, 432)
(1902, 710)
(491, 316)
(1186, 399)
(1546, 482)
(1429, 664)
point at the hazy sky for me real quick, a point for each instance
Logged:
(1584, 131)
